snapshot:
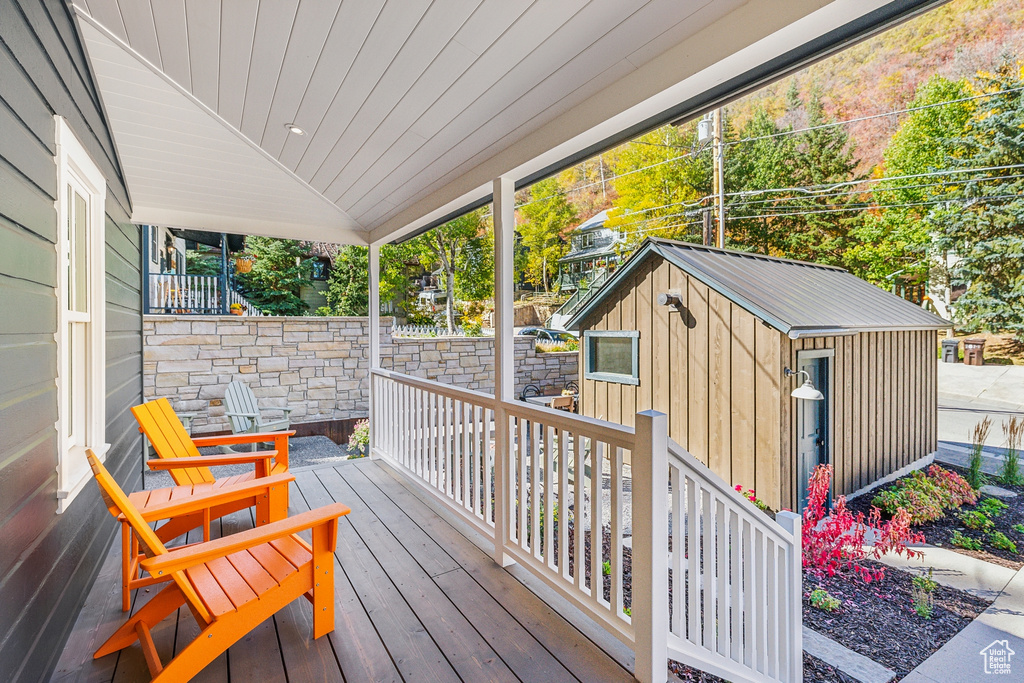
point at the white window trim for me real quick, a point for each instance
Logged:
(633, 378)
(74, 162)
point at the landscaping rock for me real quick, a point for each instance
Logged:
(997, 492)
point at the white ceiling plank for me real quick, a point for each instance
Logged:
(108, 13)
(491, 19)
(349, 32)
(238, 25)
(141, 30)
(183, 218)
(527, 33)
(203, 19)
(273, 28)
(683, 29)
(510, 100)
(444, 71)
(434, 31)
(313, 24)
(530, 31)
(172, 35)
(393, 27)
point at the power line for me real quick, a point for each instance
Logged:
(875, 116)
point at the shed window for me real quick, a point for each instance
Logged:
(80, 335)
(612, 356)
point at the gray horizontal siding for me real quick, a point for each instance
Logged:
(49, 560)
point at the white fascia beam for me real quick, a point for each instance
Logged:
(750, 36)
(180, 218)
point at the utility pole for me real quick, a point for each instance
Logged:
(719, 172)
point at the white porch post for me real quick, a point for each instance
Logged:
(504, 376)
(650, 547)
(374, 323)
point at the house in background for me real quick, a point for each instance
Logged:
(166, 251)
(708, 337)
(592, 251)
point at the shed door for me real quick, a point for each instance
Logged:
(812, 426)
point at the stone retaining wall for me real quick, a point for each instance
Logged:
(318, 366)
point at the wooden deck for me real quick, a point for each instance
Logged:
(417, 600)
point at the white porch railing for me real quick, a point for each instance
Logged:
(579, 520)
(170, 293)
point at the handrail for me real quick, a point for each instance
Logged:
(743, 505)
(451, 391)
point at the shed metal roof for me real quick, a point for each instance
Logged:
(797, 298)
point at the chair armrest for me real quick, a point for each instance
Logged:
(210, 460)
(287, 409)
(184, 558)
(232, 439)
(250, 415)
(206, 499)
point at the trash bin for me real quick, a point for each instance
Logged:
(950, 350)
(974, 350)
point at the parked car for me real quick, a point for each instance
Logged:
(546, 335)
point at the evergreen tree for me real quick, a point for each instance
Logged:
(279, 272)
(545, 220)
(764, 159)
(982, 225)
(824, 156)
(349, 282)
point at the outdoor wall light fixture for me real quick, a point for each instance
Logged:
(805, 391)
(669, 299)
(294, 129)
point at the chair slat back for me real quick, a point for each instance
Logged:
(118, 504)
(164, 430)
(238, 398)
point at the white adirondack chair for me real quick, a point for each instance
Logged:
(244, 413)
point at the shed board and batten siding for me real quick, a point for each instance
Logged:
(719, 376)
(48, 561)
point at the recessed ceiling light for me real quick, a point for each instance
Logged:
(295, 129)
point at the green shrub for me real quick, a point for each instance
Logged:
(992, 507)
(606, 568)
(965, 542)
(926, 496)
(1019, 528)
(977, 520)
(999, 540)
(823, 601)
(921, 595)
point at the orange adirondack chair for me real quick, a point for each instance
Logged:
(179, 454)
(231, 585)
(183, 508)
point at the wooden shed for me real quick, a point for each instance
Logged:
(706, 335)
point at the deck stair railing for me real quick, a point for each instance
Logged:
(579, 298)
(192, 294)
(576, 501)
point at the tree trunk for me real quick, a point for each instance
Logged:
(450, 304)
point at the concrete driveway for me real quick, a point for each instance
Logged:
(967, 394)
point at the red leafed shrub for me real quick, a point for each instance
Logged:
(835, 541)
(956, 487)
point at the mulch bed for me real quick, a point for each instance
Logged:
(878, 620)
(941, 530)
(815, 671)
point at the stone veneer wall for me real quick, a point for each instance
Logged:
(319, 366)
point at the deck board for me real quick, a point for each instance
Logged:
(416, 600)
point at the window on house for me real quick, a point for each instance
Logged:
(612, 356)
(81, 302)
(319, 271)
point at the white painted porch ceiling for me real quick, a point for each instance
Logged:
(398, 98)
